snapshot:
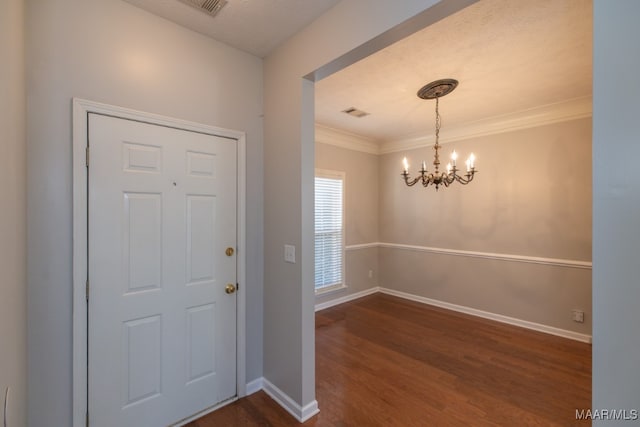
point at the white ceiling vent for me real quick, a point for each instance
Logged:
(355, 112)
(210, 7)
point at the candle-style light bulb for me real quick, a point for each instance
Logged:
(468, 163)
(448, 168)
(424, 166)
(405, 163)
(472, 161)
(454, 157)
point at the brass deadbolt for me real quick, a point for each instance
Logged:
(229, 251)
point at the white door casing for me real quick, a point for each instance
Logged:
(162, 329)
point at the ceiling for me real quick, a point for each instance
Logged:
(509, 57)
(255, 26)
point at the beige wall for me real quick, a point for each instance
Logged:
(13, 231)
(531, 197)
(110, 51)
(361, 215)
(361, 189)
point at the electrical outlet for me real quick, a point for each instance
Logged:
(290, 254)
(578, 316)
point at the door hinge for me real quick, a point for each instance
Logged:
(87, 290)
(87, 156)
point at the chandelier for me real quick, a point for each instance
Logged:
(435, 90)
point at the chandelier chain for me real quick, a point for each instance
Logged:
(436, 160)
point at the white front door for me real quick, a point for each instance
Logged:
(161, 325)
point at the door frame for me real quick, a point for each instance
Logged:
(81, 110)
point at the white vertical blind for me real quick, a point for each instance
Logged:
(329, 230)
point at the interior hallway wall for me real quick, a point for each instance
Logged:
(112, 52)
(616, 204)
(13, 227)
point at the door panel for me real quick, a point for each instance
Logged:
(162, 330)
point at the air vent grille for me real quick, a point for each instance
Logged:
(352, 111)
(210, 7)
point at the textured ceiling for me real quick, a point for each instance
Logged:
(255, 26)
(509, 56)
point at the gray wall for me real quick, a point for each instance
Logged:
(616, 206)
(109, 51)
(361, 215)
(531, 197)
(13, 287)
(333, 41)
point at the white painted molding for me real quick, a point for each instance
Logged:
(344, 139)
(556, 262)
(300, 413)
(254, 386)
(361, 246)
(491, 316)
(548, 114)
(572, 109)
(346, 298)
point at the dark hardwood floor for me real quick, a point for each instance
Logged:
(385, 361)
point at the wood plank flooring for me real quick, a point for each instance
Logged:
(385, 361)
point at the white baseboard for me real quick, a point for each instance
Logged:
(302, 414)
(491, 316)
(254, 386)
(347, 298)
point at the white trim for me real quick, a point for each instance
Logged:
(491, 316)
(573, 109)
(346, 140)
(254, 386)
(577, 108)
(81, 109)
(576, 336)
(346, 298)
(300, 413)
(326, 290)
(362, 246)
(556, 262)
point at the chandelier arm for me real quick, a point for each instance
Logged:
(410, 182)
(464, 180)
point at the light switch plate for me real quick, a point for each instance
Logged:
(290, 253)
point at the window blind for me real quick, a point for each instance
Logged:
(328, 231)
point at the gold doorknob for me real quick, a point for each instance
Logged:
(229, 251)
(230, 288)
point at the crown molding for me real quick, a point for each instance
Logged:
(573, 109)
(347, 140)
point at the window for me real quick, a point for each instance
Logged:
(329, 230)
